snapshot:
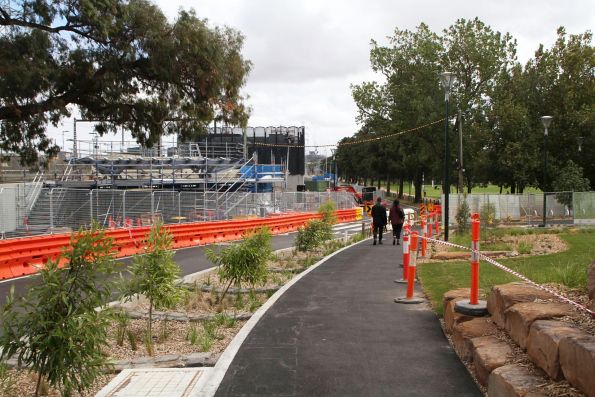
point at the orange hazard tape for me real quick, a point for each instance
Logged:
(517, 274)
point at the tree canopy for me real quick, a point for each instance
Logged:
(500, 100)
(121, 63)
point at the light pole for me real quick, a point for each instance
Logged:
(334, 152)
(446, 79)
(546, 121)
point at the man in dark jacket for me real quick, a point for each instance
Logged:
(396, 217)
(379, 219)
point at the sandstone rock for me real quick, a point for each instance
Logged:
(464, 332)
(505, 295)
(591, 281)
(451, 318)
(454, 294)
(577, 359)
(489, 353)
(543, 342)
(519, 317)
(196, 359)
(514, 381)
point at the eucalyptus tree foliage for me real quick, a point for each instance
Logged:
(154, 273)
(478, 56)
(55, 329)
(562, 85)
(118, 61)
(408, 97)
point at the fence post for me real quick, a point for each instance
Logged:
(473, 306)
(123, 204)
(51, 211)
(91, 206)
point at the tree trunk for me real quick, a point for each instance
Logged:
(418, 187)
(150, 320)
(513, 188)
(469, 184)
(500, 189)
(401, 182)
(387, 185)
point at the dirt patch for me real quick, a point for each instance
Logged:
(520, 246)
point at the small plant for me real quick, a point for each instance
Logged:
(192, 335)
(488, 214)
(313, 235)
(253, 302)
(8, 383)
(462, 216)
(211, 329)
(163, 332)
(148, 341)
(571, 275)
(55, 329)
(122, 321)
(327, 212)
(132, 340)
(525, 247)
(154, 273)
(238, 303)
(205, 343)
(245, 262)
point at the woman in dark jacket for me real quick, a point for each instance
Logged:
(396, 217)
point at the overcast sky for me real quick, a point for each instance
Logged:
(306, 53)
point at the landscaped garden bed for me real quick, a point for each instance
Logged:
(159, 322)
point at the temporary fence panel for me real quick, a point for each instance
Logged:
(59, 210)
(583, 208)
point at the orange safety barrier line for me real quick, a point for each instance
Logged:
(22, 256)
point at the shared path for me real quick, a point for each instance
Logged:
(338, 332)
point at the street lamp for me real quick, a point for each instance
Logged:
(334, 152)
(446, 80)
(546, 121)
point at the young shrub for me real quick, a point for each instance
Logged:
(313, 235)
(154, 272)
(55, 328)
(327, 211)
(463, 216)
(487, 214)
(244, 262)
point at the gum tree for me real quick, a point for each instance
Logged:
(118, 61)
(55, 328)
(154, 273)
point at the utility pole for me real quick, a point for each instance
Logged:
(461, 169)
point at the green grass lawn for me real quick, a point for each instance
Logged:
(435, 192)
(568, 268)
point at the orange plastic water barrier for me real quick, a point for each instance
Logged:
(23, 256)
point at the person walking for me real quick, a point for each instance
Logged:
(396, 217)
(378, 219)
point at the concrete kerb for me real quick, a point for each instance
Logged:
(220, 369)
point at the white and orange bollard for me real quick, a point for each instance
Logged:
(473, 306)
(406, 255)
(437, 223)
(424, 231)
(409, 298)
(430, 225)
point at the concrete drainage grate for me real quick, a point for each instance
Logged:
(156, 382)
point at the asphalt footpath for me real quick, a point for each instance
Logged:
(338, 332)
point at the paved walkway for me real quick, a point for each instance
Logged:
(337, 332)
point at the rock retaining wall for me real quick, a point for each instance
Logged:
(529, 316)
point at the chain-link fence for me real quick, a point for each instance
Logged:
(28, 210)
(560, 207)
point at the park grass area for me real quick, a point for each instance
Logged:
(568, 268)
(436, 191)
